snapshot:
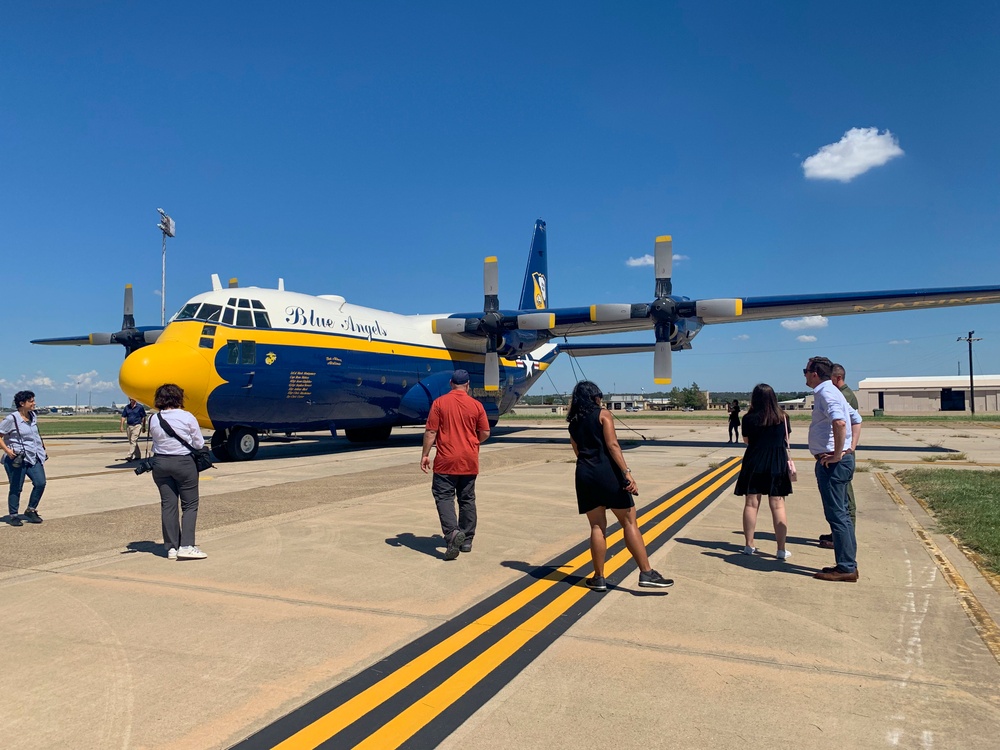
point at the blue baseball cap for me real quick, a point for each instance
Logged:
(460, 377)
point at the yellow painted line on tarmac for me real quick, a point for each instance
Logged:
(410, 721)
(981, 620)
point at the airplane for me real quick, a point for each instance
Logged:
(255, 361)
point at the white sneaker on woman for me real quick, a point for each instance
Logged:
(749, 550)
(784, 554)
(190, 553)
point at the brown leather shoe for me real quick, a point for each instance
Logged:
(833, 569)
(825, 544)
(826, 537)
(836, 575)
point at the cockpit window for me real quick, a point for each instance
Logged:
(227, 316)
(243, 303)
(187, 312)
(257, 304)
(210, 313)
(244, 318)
(262, 320)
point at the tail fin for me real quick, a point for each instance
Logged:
(534, 293)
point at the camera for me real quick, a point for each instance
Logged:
(145, 464)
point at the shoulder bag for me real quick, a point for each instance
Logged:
(202, 456)
(792, 473)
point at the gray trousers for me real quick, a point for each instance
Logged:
(176, 477)
(445, 488)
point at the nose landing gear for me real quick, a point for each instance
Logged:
(235, 444)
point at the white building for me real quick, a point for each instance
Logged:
(949, 393)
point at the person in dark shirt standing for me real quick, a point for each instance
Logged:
(133, 421)
(457, 424)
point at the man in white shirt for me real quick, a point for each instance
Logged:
(833, 437)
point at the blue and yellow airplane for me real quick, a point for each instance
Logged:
(253, 361)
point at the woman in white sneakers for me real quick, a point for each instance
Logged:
(765, 466)
(175, 472)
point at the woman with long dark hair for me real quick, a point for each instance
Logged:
(604, 482)
(765, 466)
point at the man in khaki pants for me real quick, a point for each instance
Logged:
(133, 421)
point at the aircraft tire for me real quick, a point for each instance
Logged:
(219, 449)
(242, 443)
(368, 434)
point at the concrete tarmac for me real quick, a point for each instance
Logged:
(324, 558)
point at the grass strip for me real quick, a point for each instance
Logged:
(966, 503)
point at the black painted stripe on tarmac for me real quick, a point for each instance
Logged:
(390, 704)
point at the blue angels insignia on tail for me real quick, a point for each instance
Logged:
(534, 292)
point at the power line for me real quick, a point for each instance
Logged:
(972, 380)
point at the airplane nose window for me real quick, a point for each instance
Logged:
(187, 312)
(210, 313)
(244, 318)
(262, 320)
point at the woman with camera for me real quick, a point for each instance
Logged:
(175, 472)
(24, 456)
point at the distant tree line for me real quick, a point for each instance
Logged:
(691, 397)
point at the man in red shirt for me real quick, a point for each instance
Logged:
(457, 424)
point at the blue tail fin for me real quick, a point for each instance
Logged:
(535, 292)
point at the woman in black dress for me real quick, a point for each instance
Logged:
(603, 482)
(765, 466)
(734, 422)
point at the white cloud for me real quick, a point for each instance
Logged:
(899, 341)
(86, 381)
(805, 339)
(156, 292)
(648, 260)
(741, 337)
(858, 151)
(800, 324)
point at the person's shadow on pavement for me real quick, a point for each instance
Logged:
(150, 548)
(428, 545)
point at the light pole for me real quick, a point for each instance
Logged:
(972, 380)
(166, 226)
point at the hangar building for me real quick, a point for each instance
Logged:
(948, 393)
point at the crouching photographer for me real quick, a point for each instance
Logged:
(175, 434)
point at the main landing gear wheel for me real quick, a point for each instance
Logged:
(368, 434)
(242, 443)
(219, 449)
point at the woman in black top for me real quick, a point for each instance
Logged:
(603, 481)
(734, 422)
(765, 466)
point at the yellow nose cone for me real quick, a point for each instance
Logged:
(146, 369)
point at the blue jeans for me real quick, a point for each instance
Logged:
(36, 473)
(833, 481)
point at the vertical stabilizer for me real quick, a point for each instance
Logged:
(535, 292)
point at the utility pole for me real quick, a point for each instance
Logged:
(166, 226)
(972, 381)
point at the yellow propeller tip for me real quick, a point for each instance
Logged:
(593, 313)
(664, 238)
(491, 259)
(739, 307)
(662, 381)
(491, 388)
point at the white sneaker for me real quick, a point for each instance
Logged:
(190, 553)
(749, 550)
(171, 554)
(784, 554)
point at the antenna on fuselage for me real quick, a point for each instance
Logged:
(281, 285)
(234, 283)
(216, 284)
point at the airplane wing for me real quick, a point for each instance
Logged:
(578, 321)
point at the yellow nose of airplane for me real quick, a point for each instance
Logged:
(146, 369)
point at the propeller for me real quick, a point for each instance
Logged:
(492, 324)
(129, 336)
(666, 310)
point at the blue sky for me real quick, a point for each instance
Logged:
(380, 150)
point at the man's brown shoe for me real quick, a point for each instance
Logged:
(836, 575)
(824, 544)
(833, 569)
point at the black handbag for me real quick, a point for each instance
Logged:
(18, 461)
(202, 456)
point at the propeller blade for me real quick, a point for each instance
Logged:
(662, 372)
(100, 339)
(128, 308)
(610, 312)
(719, 308)
(664, 261)
(150, 337)
(491, 277)
(536, 321)
(448, 325)
(491, 376)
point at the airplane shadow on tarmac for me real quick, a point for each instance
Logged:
(732, 554)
